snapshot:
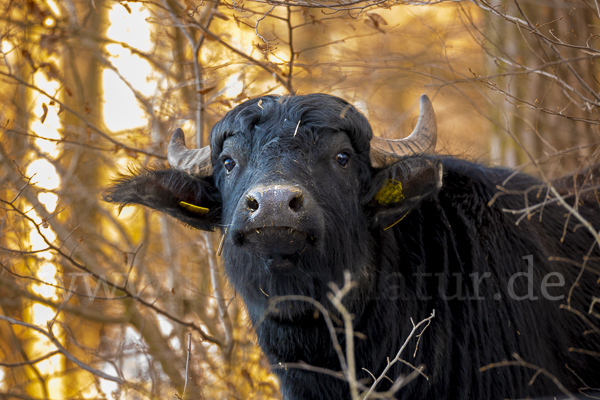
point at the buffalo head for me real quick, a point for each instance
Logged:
(298, 186)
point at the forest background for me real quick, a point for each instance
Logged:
(100, 304)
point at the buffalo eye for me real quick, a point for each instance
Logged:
(342, 158)
(229, 164)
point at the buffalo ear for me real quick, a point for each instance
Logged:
(194, 201)
(399, 188)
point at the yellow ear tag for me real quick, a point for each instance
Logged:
(192, 208)
(390, 193)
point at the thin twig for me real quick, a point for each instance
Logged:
(539, 371)
(121, 288)
(399, 354)
(187, 364)
(256, 27)
(219, 297)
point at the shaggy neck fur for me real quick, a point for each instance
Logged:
(455, 232)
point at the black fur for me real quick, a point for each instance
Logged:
(443, 236)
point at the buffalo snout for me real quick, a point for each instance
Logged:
(277, 219)
(275, 204)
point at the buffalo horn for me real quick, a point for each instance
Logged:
(421, 141)
(196, 162)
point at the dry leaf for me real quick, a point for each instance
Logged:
(27, 56)
(248, 377)
(305, 12)
(226, 103)
(45, 114)
(51, 70)
(126, 7)
(377, 18)
(373, 24)
(206, 89)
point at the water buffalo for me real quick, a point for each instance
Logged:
(303, 191)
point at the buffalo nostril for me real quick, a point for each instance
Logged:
(296, 203)
(252, 204)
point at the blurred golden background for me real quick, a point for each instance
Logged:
(98, 304)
